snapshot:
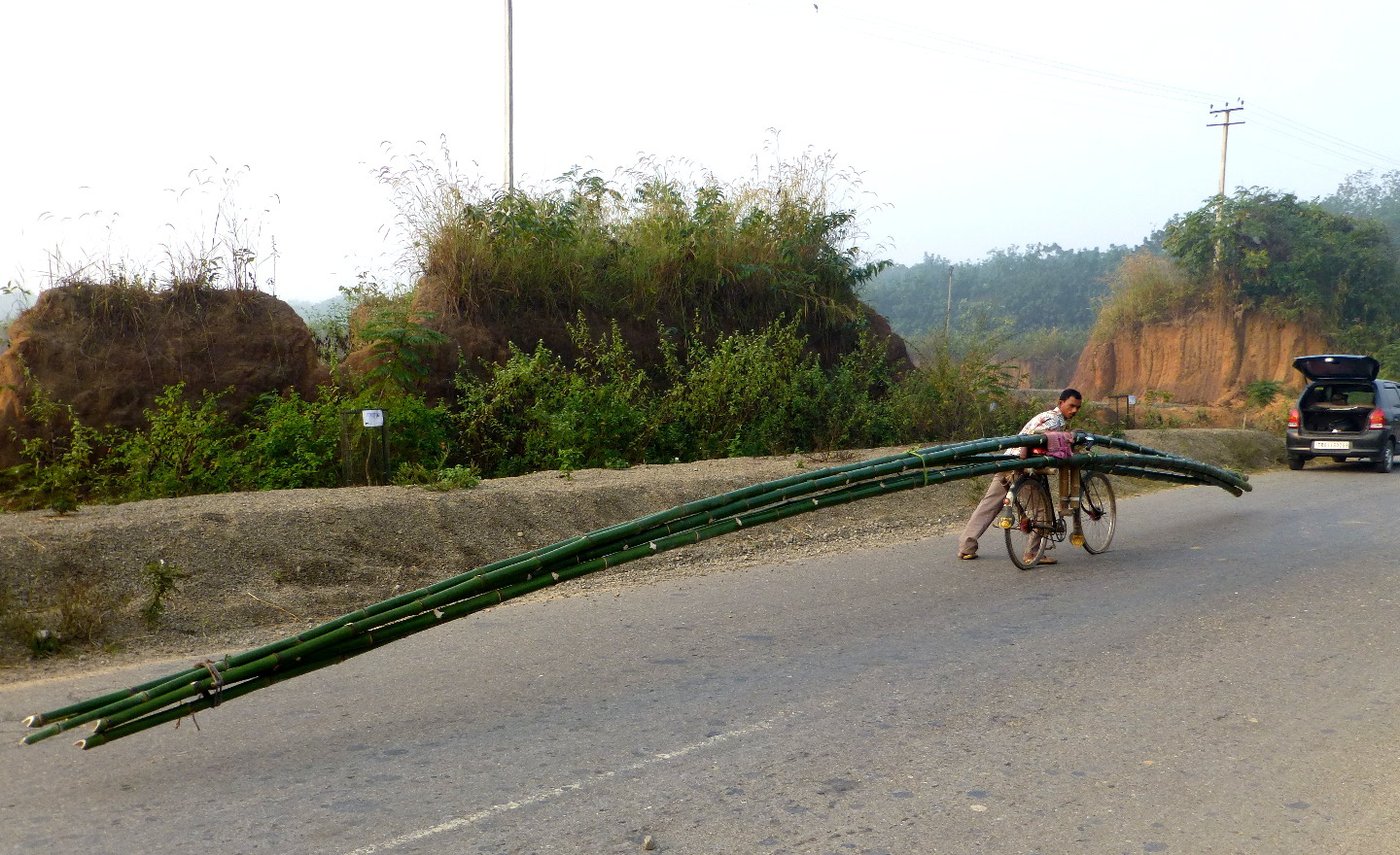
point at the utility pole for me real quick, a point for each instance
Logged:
(1224, 126)
(948, 317)
(510, 101)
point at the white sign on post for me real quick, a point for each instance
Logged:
(1132, 400)
(372, 418)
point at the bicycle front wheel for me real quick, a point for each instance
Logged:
(1033, 518)
(1097, 514)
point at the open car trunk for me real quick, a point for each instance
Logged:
(1338, 409)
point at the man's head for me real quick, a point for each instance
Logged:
(1070, 402)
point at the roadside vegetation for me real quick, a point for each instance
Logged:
(1328, 262)
(648, 244)
(742, 394)
(743, 289)
(1042, 299)
(1273, 253)
(740, 283)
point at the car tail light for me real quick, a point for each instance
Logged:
(1377, 420)
(1292, 419)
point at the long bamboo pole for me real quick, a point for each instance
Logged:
(400, 630)
(161, 699)
(303, 652)
(534, 559)
(306, 650)
(193, 681)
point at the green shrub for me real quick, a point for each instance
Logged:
(600, 414)
(732, 397)
(290, 442)
(401, 345)
(743, 394)
(1146, 288)
(501, 420)
(458, 478)
(765, 393)
(959, 391)
(847, 406)
(1261, 393)
(414, 431)
(64, 462)
(161, 579)
(536, 412)
(447, 478)
(186, 450)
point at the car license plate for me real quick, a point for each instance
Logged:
(1331, 445)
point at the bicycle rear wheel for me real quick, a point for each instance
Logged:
(1034, 520)
(1097, 514)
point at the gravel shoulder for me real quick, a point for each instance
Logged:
(254, 567)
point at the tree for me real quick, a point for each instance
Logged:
(1364, 195)
(1293, 259)
(1039, 287)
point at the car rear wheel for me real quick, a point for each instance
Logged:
(1296, 461)
(1387, 458)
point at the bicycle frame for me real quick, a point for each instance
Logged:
(1065, 507)
(1030, 507)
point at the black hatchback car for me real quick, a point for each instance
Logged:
(1345, 412)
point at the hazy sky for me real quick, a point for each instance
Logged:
(972, 128)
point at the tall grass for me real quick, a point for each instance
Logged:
(745, 284)
(1147, 288)
(645, 244)
(962, 390)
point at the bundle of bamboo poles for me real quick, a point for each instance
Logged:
(210, 683)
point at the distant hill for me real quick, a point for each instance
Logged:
(310, 312)
(1039, 287)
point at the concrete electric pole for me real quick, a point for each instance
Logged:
(510, 101)
(1224, 127)
(948, 318)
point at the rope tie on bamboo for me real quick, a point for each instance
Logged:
(923, 464)
(215, 697)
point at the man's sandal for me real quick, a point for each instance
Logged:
(1046, 559)
(967, 556)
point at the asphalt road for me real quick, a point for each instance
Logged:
(1224, 680)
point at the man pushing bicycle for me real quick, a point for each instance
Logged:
(1056, 418)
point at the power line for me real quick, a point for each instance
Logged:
(1007, 58)
(1276, 123)
(1321, 140)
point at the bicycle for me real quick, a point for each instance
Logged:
(1087, 500)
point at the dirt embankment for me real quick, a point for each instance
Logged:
(260, 566)
(109, 352)
(1206, 358)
